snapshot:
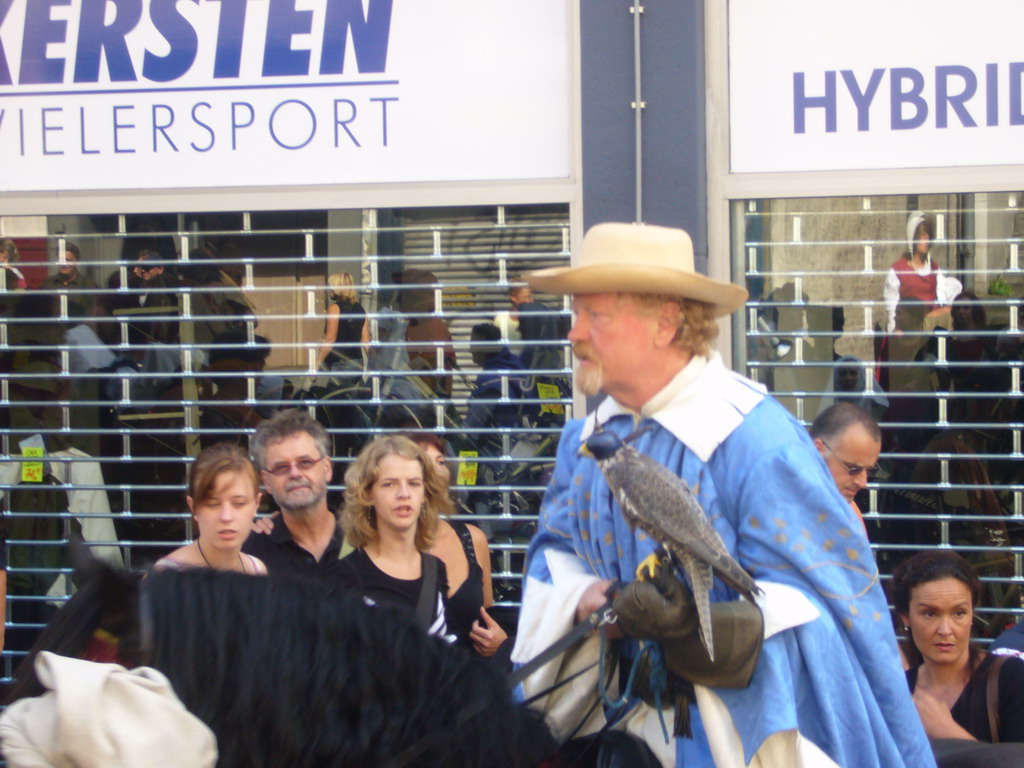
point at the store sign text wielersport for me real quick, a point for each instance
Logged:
(109, 94)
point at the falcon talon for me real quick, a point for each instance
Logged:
(646, 570)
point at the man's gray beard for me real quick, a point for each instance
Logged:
(589, 379)
(301, 510)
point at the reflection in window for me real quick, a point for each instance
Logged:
(180, 330)
(908, 307)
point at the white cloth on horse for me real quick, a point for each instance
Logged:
(103, 716)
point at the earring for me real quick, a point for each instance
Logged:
(906, 627)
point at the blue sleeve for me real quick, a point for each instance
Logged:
(838, 674)
(792, 524)
(556, 521)
(477, 416)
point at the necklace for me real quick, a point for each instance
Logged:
(202, 554)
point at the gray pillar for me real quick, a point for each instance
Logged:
(674, 147)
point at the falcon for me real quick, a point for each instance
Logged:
(662, 505)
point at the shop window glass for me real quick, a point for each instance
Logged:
(936, 359)
(183, 329)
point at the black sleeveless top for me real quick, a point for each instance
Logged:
(357, 573)
(350, 330)
(464, 606)
(971, 710)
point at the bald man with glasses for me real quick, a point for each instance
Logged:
(849, 442)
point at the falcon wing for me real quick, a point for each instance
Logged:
(702, 580)
(663, 505)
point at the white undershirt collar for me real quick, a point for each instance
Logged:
(701, 405)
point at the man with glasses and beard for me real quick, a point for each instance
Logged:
(849, 442)
(292, 452)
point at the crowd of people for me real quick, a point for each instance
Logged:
(806, 670)
(137, 325)
(159, 330)
(394, 542)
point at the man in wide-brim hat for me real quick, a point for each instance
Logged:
(827, 687)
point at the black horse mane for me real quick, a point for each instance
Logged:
(287, 673)
(106, 600)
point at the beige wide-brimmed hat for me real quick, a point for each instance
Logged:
(638, 258)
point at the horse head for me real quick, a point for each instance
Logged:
(287, 672)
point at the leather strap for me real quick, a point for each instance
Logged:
(992, 696)
(601, 616)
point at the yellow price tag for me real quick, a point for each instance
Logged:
(549, 392)
(467, 469)
(32, 471)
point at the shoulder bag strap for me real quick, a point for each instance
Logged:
(992, 696)
(428, 591)
(462, 531)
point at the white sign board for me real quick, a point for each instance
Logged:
(823, 85)
(127, 94)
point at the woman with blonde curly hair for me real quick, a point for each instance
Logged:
(346, 329)
(394, 497)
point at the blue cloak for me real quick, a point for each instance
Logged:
(836, 679)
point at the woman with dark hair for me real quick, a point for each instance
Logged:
(467, 560)
(394, 497)
(223, 495)
(935, 594)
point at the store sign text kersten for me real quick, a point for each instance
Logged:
(173, 99)
(172, 94)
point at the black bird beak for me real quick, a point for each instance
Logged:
(585, 452)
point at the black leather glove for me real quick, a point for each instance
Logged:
(661, 609)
